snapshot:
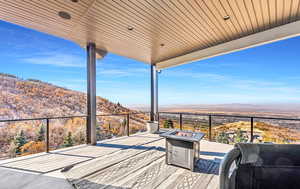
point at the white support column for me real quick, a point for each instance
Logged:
(154, 94)
(91, 94)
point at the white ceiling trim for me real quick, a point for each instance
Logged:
(268, 36)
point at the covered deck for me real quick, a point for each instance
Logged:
(162, 34)
(137, 161)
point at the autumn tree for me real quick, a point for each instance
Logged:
(239, 137)
(41, 134)
(33, 147)
(79, 137)
(20, 140)
(68, 140)
(124, 124)
(109, 126)
(12, 149)
(223, 138)
(122, 129)
(196, 126)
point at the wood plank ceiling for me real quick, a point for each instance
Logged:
(151, 31)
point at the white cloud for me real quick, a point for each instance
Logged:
(260, 87)
(122, 72)
(112, 72)
(57, 59)
(196, 75)
(235, 83)
(210, 76)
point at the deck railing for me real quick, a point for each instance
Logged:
(131, 123)
(130, 120)
(47, 120)
(210, 118)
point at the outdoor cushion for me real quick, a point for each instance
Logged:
(263, 166)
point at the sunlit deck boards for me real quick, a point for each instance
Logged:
(131, 162)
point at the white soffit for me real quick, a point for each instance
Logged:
(261, 38)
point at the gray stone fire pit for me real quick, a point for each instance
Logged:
(182, 148)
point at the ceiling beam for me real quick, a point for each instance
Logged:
(261, 38)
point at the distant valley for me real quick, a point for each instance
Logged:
(268, 110)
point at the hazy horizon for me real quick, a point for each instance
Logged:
(271, 108)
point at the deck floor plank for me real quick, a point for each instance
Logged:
(214, 182)
(199, 179)
(149, 177)
(45, 163)
(116, 172)
(137, 161)
(156, 174)
(106, 147)
(90, 167)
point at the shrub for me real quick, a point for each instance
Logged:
(168, 124)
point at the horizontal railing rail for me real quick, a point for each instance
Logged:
(227, 115)
(41, 118)
(210, 116)
(66, 117)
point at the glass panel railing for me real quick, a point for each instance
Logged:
(66, 132)
(19, 138)
(138, 122)
(276, 131)
(110, 126)
(29, 136)
(230, 130)
(196, 123)
(169, 121)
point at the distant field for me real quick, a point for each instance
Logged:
(268, 110)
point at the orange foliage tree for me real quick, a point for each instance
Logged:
(33, 147)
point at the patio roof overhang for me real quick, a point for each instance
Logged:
(162, 32)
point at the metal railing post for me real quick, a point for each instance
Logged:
(158, 121)
(127, 124)
(209, 128)
(47, 135)
(180, 121)
(251, 132)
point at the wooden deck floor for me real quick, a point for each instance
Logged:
(137, 161)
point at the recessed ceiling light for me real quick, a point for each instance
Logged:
(64, 15)
(130, 28)
(226, 17)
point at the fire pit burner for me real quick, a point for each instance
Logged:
(181, 148)
(185, 134)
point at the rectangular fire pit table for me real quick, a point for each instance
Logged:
(182, 148)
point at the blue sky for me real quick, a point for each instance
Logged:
(265, 74)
